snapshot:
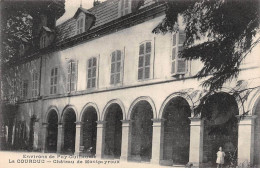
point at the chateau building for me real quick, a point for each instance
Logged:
(103, 84)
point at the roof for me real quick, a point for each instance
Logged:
(104, 12)
(80, 9)
(119, 23)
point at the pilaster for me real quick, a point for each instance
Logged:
(246, 140)
(60, 141)
(126, 140)
(196, 141)
(77, 138)
(44, 136)
(157, 144)
(100, 139)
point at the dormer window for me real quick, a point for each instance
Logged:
(21, 49)
(46, 37)
(43, 42)
(84, 20)
(124, 7)
(80, 25)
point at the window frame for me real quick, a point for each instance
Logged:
(69, 76)
(80, 18)
(91, 68)
(151, 66)
(177, 59)
(121, 71)
(122, 7)
(43, 40)
(53, 86)
(24, 89)
(35, 84)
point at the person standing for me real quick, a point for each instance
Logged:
(220, 158)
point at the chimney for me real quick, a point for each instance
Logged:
(96, 2)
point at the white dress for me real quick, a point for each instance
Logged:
(220, 157)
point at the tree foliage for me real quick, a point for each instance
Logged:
(16, 28)
(218, 32)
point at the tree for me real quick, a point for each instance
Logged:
(220, 33)
(19, 24)
(16, 27)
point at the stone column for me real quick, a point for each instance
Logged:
(44, 136)
(196, 141)
(77, 138)
(157, 144)
(246, 140)
(60, 142)
(35, 136)
(100, 139)
(126, 140)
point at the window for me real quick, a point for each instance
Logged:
(43, 41)
(80, 25)
(144, 61)
(21, 49)
(125, 7)
(116, 67)
(24, 89)
(178, 64)
(72, 76)
(92, 72)
(13, 86)
(35, 84)
(54, 80)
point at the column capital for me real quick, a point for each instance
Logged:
(60, 125)
(101, 122)
(196, 118)
(196, 121)
(246, 119)
(157, 120)
(78, 123)
(126, 121)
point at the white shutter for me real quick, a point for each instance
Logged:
(122, 66)
(113, 67)
(76, 75)
(178, 64)
(181, 64)
(68, 76)
(73, 76)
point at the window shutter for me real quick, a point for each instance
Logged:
(144, 64)
(92, 72)
(122, 65)
(126, 7)
(68, 77)
(51, 81)
(57, 80)
(178, 64)
(76, 74)
(181, 62)
(112, 76)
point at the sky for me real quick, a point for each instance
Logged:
(71, 7)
